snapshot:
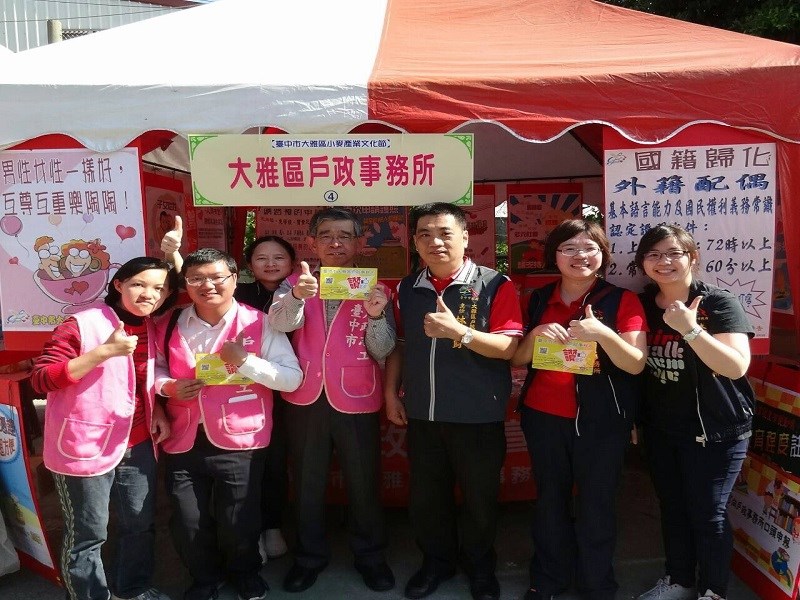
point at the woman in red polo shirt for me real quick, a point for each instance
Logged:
(577, 426)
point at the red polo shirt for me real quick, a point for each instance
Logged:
(553, 392)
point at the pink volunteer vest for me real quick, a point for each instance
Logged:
(86, 425)
(337, 362)
(235, 417)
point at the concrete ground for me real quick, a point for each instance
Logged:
(639, 557)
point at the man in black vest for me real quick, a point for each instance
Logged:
(460, 325)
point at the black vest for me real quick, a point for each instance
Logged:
(444, 381)
(609, 393)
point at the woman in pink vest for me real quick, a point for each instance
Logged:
(101, 430)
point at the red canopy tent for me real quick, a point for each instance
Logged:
(544, 67)
(539, 68)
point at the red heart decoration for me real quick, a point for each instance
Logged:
(80, 286)
(13, 260)
(125, 232)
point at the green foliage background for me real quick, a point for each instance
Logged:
(773, 19)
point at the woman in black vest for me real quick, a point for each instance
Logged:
(577, 426)
(270, 259)
(697, 412)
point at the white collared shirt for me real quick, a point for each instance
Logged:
(275, 367)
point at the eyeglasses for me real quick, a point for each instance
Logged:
(573, 251)
(670, 255)
(216, 280)
(329, 238)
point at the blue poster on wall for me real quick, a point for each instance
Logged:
(16, 498)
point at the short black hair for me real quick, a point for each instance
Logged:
(205, 256)
(138, 265)
(251, 247)
(334, 214)
(434, 209)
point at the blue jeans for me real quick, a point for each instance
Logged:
(693, 484)
(131, 487)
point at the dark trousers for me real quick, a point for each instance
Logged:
(275, 483)
(216, 510)
(693, 484)
(313, 432)
(441, 455)
(590, 464)
(131, 488)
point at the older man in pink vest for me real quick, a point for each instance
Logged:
(340, 345)
(215, 457)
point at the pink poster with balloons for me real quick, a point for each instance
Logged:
(69, 219)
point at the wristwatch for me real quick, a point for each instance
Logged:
(693, 333)
(467, 337)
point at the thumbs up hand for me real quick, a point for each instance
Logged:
(233, 352)
(171, 242)
(680, 317)
(442, 323)
(307, 285)
(588, 329)
(120, 343)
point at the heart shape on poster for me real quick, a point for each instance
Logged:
(80, 286)
(13, 260)
(125, 232)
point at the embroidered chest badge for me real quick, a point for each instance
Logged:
(467, 316)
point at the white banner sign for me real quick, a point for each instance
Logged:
(69, 219)
(723, 195)
(348, 170)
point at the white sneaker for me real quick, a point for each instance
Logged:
(271, 545)
(664, 590)
(709, 595)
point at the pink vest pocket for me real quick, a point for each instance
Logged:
(179, 415)
(82, 440)
(244, 416)
(359, 382)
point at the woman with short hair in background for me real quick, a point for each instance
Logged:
(270, 259)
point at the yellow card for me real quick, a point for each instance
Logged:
(575, 357)
(215, 371)
(346, 283)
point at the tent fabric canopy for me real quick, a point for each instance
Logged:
(538, 68)
(542, 66)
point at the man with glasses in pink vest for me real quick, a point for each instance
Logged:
(215, 455)
(339, 344)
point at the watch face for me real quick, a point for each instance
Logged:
(467, 337)
(693, 334)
